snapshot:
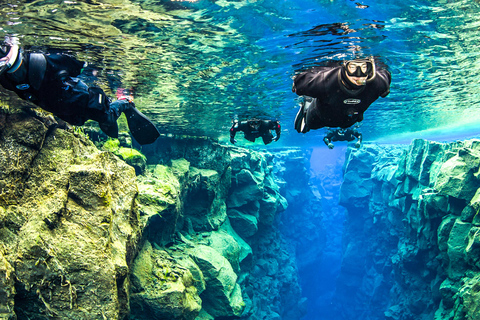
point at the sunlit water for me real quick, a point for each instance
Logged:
(196, 65)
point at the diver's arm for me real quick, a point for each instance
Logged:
(383, 78)
(312, 83)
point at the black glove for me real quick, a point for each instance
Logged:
(233, 141)
(357, 145)
(330, 145)
(276, 138)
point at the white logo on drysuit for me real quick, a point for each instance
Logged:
(352, 101)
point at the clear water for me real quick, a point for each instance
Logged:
(195, 65)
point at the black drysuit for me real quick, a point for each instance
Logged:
(336, 102)
(49, 81)
(263, 130)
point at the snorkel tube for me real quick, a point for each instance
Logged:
(374, 71)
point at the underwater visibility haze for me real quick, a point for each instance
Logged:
(196, 65)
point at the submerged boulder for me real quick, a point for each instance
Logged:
(83, 237)
(222, 296)
(458, 175)
(161, 288)
(68, 224)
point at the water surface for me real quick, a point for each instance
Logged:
(196, 65)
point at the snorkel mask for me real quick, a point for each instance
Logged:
(9, 53)
(360, 71)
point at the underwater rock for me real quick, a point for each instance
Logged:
(458, 175)
(199, 223)
(253, 191)
(205, 198)
(67, 227)
(7, 289)
(247, 189)
(421, 216)
(84, 237)
(134, 158)
(245, 224)
(159, 199)
(222, 296)
(131, 156)
(161, 288)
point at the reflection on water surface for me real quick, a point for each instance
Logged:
(195, 65)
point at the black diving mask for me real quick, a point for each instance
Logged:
(359, 68)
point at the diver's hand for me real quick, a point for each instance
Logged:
(276, 138)
(357, 145)
(330, 146)
(233, 141)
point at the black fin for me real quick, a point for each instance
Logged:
(300, 117)
(142, 129)
(110, 128)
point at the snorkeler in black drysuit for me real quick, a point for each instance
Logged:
(338, 96)
(50, 81)
(342, 135)
(255, 128)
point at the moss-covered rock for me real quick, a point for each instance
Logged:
(134, 158)
(69, 226)
(161, 288)
(7, 289)
(205, 199)
(159, 199)
(222, 296)
(430, 236)
(72, 219)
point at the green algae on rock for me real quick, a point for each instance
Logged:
(68, 228)
(161, 288)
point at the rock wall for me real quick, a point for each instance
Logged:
(194, 236)
(222, 226)
(68, 226)
(410, 243)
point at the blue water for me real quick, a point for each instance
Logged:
(196, 65)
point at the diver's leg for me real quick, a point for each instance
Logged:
(300, 117)
(313, 117)
(301, 123)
